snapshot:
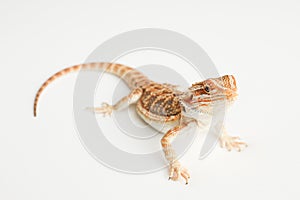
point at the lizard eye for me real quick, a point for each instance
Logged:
(207, 89)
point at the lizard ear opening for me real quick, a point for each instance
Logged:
(191, 97)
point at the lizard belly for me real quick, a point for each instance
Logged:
(158, 122)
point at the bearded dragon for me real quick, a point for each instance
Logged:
(164, 105)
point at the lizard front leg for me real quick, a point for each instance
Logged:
(230, 142)
(107, 109)
(175, 169)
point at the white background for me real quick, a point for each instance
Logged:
(257, 41)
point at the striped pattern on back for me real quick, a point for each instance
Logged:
(160, 100)
(132, 77)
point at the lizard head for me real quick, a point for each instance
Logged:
(202, 95)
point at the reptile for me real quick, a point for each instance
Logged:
(163, 106)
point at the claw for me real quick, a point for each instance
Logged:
(185, 176)
(105, 109)
(176, 171)
(232, 143)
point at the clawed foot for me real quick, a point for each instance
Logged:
(176, 171)
(105, 109)
(230, 143)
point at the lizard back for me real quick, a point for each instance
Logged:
(159, 106)
(160, 100)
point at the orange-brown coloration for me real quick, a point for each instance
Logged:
(212, 90)
(113, 68)
(162, 104)
(227, 81)
(165, 141)
(175, 170)
(160, 100)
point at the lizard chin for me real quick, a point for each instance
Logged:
(196, 111)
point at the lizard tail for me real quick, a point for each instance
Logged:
(132, 77)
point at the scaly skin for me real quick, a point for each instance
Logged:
(169, 110)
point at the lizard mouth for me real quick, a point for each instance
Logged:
(191, 101)
(232, 96)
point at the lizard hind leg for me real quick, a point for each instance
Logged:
(107, 109)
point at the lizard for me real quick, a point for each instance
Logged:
(165, 105)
